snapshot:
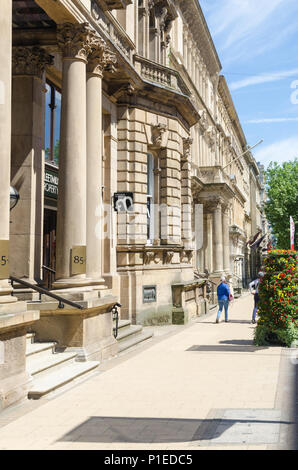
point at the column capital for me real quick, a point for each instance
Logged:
(30, 60)
(75, 40)
(101, 57)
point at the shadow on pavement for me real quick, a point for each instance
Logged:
(155, 430)
(242, 347)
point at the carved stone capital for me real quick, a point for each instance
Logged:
(101, 57)
(30, 60)
(76, 40)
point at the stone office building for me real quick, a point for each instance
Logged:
(120, 135)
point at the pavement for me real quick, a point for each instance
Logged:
(202, 386)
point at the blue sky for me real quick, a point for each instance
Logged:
(257, 43)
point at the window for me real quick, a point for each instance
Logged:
(52, 123)
(150, 198)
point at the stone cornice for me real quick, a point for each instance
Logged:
(227, 99)
(196, 22)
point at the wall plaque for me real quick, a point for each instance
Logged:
(4, 262)
(149, 294)
(78, 259)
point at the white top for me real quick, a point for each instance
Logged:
(254, 285)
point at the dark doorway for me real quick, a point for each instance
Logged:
(49, 247)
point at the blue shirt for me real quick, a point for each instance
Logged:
(223, 291)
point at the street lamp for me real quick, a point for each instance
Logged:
(13, 197)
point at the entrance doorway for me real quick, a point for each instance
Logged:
(49, 247)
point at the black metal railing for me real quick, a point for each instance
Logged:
(41, 290)
(115, 314)
(49, 277)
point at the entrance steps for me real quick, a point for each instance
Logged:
(52, 369)
(130, 336)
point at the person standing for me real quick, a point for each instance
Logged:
(254, 289)
(223, 294)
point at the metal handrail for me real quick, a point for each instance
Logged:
(48, 269)
(41, 290)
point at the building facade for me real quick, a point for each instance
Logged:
(120, 135)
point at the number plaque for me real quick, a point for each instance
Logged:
(78, 259)
(4, 263)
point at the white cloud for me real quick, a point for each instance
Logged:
(263, 78)
(270, 120)
(280, 151)
(247, 28)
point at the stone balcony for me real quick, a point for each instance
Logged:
(160, 75)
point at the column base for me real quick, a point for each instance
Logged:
(15, 321)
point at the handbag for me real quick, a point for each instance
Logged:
(231, 298)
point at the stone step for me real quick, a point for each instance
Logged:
(123, 325)
(134, 340)
(41, 366)
(40, 349)
(132, 330)
(56, 379)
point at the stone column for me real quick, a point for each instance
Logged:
(96, 63)
(186, 195)
(5, 131)
(226, 239)
(14, 317)
(217, 238)
(75, 43)
(27, 162)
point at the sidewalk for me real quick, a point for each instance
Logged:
(202, 386)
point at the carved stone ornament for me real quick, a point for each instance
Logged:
(159, 132)
(187, 142)
(148, 256)
(211, 135)
(76, 40)
(186, 256)
(204, 119)
(168, 256)
(30, 60)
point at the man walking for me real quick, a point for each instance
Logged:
(254, 289)
(223, 293)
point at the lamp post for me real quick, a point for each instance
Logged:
(13, 197)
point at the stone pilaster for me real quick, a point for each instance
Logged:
(226, 239)
(186, 194)
(27, 162)
(217, 238)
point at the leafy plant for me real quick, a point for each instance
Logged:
(278, 306)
